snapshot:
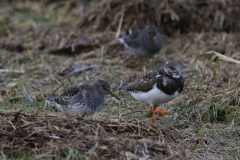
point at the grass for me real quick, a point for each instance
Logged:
(204, 120)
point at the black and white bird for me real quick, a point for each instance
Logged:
(143, 43)
(84, 99)
(158, 86)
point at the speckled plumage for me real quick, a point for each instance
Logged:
(143, 43)
(84, 99)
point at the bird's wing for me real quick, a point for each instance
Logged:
(134, 39)
(146, 82)
(135, 34)
(68, 94)
(72, 91)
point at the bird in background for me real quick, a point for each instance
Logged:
(143, 43)
(160, 86)
(84, 99)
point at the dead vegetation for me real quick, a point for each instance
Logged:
(44, 40)
(168, 16)
(46, 134)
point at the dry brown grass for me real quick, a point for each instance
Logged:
(46, 134)
(168, 16)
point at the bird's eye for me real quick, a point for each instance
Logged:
(104, 86)
(171, 67)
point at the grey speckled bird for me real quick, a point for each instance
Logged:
(143, 43)
(84, 99)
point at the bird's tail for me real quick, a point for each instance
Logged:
(51, 99)
(121, 39)
(122, 88)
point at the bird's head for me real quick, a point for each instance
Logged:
(151, 33)
(104, 88)
(172, 68)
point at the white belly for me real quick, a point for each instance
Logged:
(154, 96)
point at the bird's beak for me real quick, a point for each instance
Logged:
(177, 74)
(154, 38)
(114, 95)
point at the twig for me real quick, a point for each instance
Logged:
(11, 70)
(36, 89)
(16, 117)
(119, 26)
(31, 123)
(135, 112)
(5, 102)
(223, 57)
(3, 155)
(12, 125)
(37, 112)
(26, 125)
(121, 82)
(185, 47)
(119, 115)
(56, 90)
(138, 128)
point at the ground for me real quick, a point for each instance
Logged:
(204, 121)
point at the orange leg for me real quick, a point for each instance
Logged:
(153, 111)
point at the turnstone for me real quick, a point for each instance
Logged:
(158, 86)
(143, 43)
(84, 99)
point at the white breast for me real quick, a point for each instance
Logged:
(154, 96)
